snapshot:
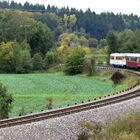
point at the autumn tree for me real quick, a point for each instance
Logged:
(6, 56)
(69, 40)
(69, 21)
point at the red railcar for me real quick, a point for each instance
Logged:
(133, 61)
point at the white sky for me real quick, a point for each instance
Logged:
(116, 6)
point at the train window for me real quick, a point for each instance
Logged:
(127, 58)
(119, 58)
(133, 59)
(138, 59)
(111, 57)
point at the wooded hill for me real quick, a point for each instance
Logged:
(87, 23)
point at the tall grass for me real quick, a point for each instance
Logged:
(127, 128)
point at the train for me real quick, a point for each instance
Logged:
(125, 60)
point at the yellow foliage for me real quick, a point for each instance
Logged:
(61, 48)
(85, 49)
(26, 13)
(6, 51)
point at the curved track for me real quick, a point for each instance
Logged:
(118, 97)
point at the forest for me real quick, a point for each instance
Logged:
(33, 37)
(87, 22)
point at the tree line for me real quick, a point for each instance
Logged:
(88, 23)
(127, 41)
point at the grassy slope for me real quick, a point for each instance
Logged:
(126, 128)
(31, 90)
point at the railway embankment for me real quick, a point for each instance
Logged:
(67, 127)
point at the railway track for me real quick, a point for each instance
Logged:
(74, 109)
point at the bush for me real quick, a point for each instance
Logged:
(37, 62)
(74, 62)
(116, 77)
(5, 102)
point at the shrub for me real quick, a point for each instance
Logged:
(116, 77)
(5, 102)
(74, 62)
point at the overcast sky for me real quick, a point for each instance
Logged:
(116, 6)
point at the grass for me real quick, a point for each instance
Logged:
(127, 128)
(30, 91)
(100, 55)
(101, 59)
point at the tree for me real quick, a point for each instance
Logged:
(5, 102)
(6, 56)
(37, 62)
(41, 40)
(24, 62)
(69, 21)
(22, 57)
(112, 42)
(127, 41)
(103, 43)
(74, 62)
(93, 42)
(50, 58)
(69, 39)
(83, 41)
(72, 21)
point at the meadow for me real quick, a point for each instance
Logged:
(30, 91)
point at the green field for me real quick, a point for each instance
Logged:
(30, 91)
(101, 59)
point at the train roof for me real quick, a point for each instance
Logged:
(126, 54)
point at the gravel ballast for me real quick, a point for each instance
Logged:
(67, 127)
